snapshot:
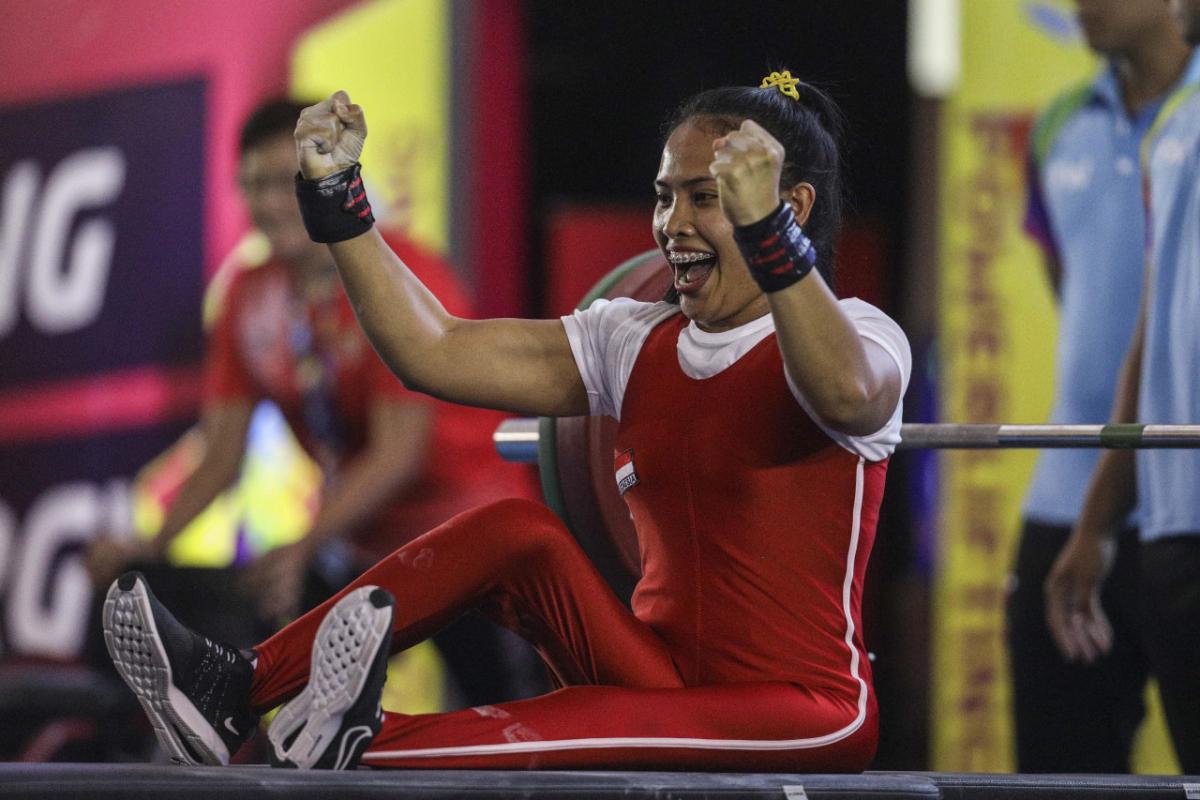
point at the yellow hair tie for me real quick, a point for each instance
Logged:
(784, 82)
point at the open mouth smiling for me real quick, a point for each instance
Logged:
(692, 269)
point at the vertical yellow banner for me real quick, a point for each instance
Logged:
(997, 332)
(393, 57)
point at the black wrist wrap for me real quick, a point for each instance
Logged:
(335, 208)
(776, 250)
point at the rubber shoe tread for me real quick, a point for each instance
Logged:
(195, 691)
(336, 716)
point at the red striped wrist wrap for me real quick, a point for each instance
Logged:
(335, 208)
(776, 250)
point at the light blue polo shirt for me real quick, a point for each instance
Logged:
(1169, 480)
(1086, 206)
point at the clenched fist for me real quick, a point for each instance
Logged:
(330, 136)
(747, 164)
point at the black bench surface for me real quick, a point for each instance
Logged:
(137, 781)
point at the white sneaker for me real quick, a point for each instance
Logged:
(337, 715)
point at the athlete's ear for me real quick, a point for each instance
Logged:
(801, 198)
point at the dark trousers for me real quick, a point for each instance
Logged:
(1072, 717)
(1170, 610)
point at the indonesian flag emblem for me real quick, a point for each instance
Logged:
(626, 475)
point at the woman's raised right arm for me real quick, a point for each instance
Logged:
(524, 366)
(519, 365)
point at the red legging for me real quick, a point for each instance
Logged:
(625, 705)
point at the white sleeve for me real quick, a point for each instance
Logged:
(605, 339)
(878, 327)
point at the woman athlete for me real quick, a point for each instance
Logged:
(757, 413)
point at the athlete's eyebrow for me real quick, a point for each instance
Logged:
(686, 184)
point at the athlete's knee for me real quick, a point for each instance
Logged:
(519, 523)
(504, 514)
(530, 531)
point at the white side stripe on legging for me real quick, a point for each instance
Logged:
(601, 743)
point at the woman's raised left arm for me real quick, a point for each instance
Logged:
(850, 382)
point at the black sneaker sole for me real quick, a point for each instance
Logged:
(132, 638)
(335, 717)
